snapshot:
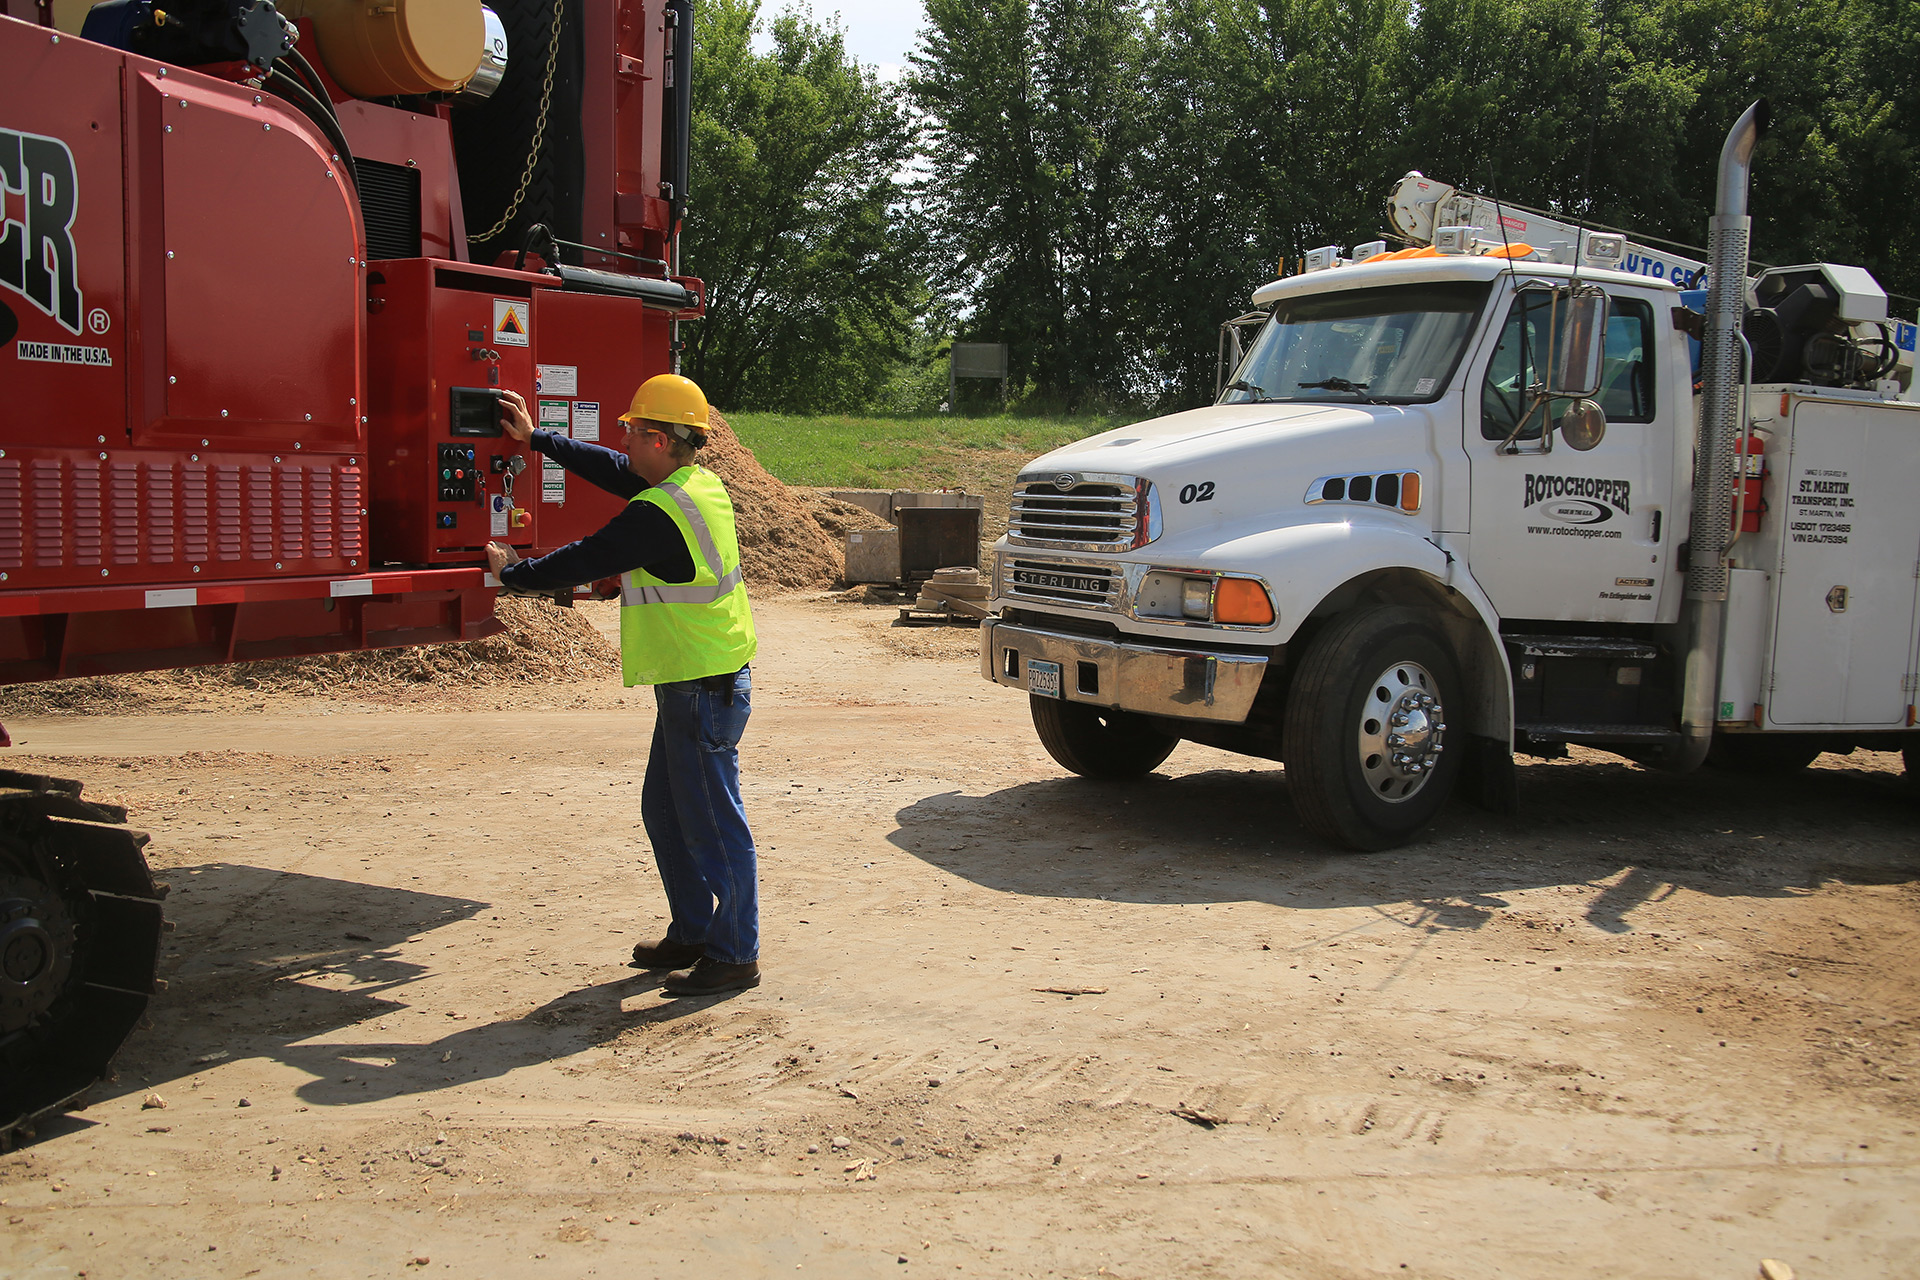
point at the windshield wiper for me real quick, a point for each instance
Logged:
(1241, 384)
(1335, 383)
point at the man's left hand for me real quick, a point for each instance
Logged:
(499, 556)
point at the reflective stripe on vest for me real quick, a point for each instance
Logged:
(631, 594)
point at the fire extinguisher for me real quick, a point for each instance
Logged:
(1749, 482)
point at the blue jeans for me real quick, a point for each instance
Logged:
(690, 804)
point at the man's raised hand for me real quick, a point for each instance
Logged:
(514, 418)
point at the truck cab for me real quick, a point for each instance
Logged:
(1389, 557)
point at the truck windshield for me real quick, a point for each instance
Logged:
(1398, 344)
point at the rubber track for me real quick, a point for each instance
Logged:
(50, 835)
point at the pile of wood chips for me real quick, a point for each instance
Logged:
(782, 546)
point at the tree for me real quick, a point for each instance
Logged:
(1033, 120)
(797, 217)
(1274, 126)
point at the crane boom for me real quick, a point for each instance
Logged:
(1420, 205)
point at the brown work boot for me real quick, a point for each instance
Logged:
(666, 954)
(710, 977)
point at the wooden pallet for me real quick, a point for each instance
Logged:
(935, 608)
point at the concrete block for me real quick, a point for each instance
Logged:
(873, 555)
(934, 498)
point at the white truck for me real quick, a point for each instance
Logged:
(1465, 501)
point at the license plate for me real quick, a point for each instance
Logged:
(1043, 678)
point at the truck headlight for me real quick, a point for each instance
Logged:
(1203, 597)
(1196, 598)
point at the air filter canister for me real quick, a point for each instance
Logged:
(396, 46)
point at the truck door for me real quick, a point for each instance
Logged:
(1557, 533)
(1848, 562)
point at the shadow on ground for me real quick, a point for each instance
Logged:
(263, 963)
(1632, 835)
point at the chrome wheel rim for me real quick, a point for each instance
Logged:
(1401, 732)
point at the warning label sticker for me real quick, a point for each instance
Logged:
(510, 322)
(61, 353)
(586, 420)
(554, 416)
(557, 379)
(553, 481)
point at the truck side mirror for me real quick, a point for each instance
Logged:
(1583, 426)
(1574, 373)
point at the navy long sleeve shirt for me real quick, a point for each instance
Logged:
(642, 536)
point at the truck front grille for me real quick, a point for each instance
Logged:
(1090, 586)
(1090, 516)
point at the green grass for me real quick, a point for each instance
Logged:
(903, 453)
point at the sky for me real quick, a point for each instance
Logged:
(879, 32)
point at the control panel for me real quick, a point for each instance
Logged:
(456, 473)
(444, 340)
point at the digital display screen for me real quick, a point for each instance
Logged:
(475, 411)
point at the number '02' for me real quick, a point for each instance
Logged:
(1202, 492)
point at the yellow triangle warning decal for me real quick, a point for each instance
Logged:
(509, 322)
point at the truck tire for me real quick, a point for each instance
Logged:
(1763, 753)
(1098, 742)
(1364, 741)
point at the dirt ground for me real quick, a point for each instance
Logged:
(1014, 1023)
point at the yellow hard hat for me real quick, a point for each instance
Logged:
(671, 401)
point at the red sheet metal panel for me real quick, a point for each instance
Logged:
(412, 140)
(62, 255)
(256, 216)
(620, 122)
(99, 630)
(602, 349)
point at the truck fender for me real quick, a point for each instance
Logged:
(1316, 570)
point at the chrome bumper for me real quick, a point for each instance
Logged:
(1191, 684)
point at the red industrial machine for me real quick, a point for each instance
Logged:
(254, 308)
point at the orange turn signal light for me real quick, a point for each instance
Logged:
(1410, 492)
(1242, 602)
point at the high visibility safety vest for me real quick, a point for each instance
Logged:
(672, 631)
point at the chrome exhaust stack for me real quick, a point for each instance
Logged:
(1721, 374)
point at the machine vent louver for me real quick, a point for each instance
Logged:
(13, 542)
(390, 206)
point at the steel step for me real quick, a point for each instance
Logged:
(1597, 734)
(1579, 647)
